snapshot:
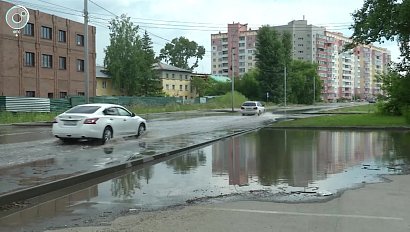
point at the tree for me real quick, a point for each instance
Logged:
(150, 82)
(380, 20)
(398, 96)
(217, 88)
(301, 76)
(129, 59)
(179, 51)
(248, 85)
(272, 55)
(200, 85)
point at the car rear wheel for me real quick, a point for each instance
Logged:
(141, 129)
(107, 135)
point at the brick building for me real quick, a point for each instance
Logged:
(46, 58)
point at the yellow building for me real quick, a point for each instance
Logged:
(176, 82)
(104, 84)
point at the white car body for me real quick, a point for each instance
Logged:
(97, 121)
(252, 108)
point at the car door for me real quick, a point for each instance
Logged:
(130, 124)
(113, 119)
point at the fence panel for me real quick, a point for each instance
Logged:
(26, 104)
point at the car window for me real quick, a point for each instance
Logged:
(123, 112)
(249, 104)
(111, 111)
(83, 110)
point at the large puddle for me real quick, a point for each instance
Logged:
(270, 164)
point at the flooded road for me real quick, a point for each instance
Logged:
(267, 165)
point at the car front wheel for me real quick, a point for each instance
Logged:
(107, 135)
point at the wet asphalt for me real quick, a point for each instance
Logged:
(146, 149)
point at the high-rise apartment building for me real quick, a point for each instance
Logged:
(237, 45)
(46, 58)
(344, 74)
(351, 74)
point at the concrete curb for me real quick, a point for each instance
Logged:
(36, 191)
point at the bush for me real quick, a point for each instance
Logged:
(226, 100)
(406, 113)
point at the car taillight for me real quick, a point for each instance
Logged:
(90, 121)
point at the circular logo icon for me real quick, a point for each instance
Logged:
(17, 17)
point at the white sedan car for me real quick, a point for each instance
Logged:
(252, 108)
(97, 121)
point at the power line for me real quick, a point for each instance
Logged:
(64, 7)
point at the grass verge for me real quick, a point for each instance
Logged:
(365, 120)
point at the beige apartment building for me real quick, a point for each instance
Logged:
(176, 82)
(46, 58)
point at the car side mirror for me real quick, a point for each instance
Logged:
(132, 115)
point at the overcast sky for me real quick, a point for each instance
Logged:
(198, 19)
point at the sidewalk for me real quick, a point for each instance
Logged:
(376, 207)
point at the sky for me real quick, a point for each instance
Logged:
(196, 20)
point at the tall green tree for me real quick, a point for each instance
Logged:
(304, 82)
(149, 82)
(380, 20)
(179, 51)
(129, 59)
(272, 55)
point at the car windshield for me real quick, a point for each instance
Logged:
(249, 104)
(83, 110)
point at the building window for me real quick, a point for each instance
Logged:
(63, 94)
(62, 37)
(80, 94)
(180, 87)
(167, 86)
(186, 77)
(180, 77)
(80, 65)
(50, 95)
(28, 29)
(166, 76)
(46, 61)
(29, 59)
(173, 76)
(186, 87)
(79, 40)
(62, 63)
(46, 32)
(173, 87)
(30, 93)
(104, 84)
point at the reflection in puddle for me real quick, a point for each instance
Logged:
(270, 164)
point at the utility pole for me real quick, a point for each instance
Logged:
(233, 77)
(285, 85)
(86, 66)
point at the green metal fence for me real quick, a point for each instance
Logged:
(27, 104)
